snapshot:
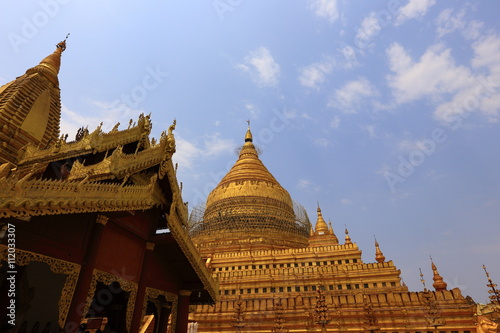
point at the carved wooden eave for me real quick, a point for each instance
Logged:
(118, 165)
(32, 197)
(95, 142)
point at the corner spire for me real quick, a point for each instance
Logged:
(347, 237)
(321, 227)
(379, 256)
(438, 284)
(494, 292)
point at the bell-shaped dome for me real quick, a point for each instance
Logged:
(250, 208)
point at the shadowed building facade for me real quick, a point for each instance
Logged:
(94, 230)
(278, 273)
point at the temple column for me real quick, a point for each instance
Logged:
(164, 315)
(181, 324)
(78, 302)
(141, 290)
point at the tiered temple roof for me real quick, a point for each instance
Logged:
(121, 176)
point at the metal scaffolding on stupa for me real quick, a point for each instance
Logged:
(248, 218)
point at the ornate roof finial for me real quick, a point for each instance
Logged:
(321, 227)
(248, 136)
(52, 63)
(494, 292)
(422, 279)
(379, 256)
(438, 284)
(347, 238)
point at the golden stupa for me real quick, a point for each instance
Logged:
(249, 209)
(277, 273)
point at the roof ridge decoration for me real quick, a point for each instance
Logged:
(33, 197)
(95, 142)
(119, 164)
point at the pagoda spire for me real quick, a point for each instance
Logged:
(51, 64)
(30, 108)
(422, 279)
(347, 237)
(438, 284)
(332, 232)
(379, 256)
(494, 292)
(321, 226)
(248, 135)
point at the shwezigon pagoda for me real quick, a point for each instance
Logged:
(104, 242)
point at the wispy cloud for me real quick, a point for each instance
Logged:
(413, 9)
(252, 109)
(322, 142)
(326, 9)
(108, 113)
(189, 153)
(313, 75)
(262, 68)
(448, 21)
(369, 28)
(349, 97)
(308, 186)
(335, 122)
(346, 201)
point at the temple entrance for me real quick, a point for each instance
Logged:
(108, 310)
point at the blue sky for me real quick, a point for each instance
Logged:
(386, 113)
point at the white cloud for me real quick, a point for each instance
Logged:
(345, 201)
(348, 98)
(473, 30)
(413, 9)
(261, 66)
(433, 75)
(369, 28)
(327, 9)
(370, 129)
(335, 123)
(313, 75)
(447, 22)
(322, 142)
(214, 145)
(308, 186)
(252, 109)
(186, 153)
(349, 56)
(209, 146)
(456, 90)
(407, 146)
(108, 113)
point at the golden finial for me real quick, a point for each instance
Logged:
(347, 238)
(494, 293)
(62, 45)
(379, 256)
(321, 227)
(248, 136)
(438, 284)
(422, 279)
